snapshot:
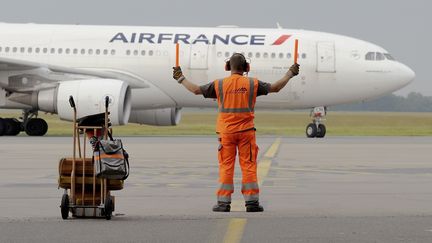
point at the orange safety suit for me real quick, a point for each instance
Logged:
(236, 97)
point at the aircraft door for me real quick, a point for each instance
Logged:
(326, 61)
(199, 56)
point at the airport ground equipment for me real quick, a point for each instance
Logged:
(86, 195)
(316, 128)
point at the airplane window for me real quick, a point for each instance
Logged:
(219, 54)
(265, 55)
(90, 51)
(289, 55)
(83, 51)
(257, 55)
(379, 56)
(7, 49)
(370, 56)
(1, 49)
(105, 52)
(75, 51)
(113, 52)
(227, 54)
(389, 57)
(37, 50)
(45, 50)
(60, 51)
(281, 55)
(98, 51)
(273, 55)
(52, 50)
(128, 52)
(250, 55)
(22, 49)
(67, 51)
(304, 55)
(14, 49)
(150, 53)
(30, 50)
(136, 52)
(143, 52)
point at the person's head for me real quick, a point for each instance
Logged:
(237, 64)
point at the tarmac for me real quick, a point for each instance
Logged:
(336, 189)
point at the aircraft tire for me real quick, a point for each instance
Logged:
(12, 127)
(321, 131)
(36, 127)
(311, 130)
(2, 127)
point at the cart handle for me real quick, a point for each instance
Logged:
(106, 102)
(71, 101)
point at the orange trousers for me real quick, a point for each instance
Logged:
(245, 143)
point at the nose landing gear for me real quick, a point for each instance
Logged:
(316, 129)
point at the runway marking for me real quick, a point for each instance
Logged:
(235, 230)
(262, 171)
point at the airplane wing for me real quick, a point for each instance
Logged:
(27, 76)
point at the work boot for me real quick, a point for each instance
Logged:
(253, 206)
(222, 207)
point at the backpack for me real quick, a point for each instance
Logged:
(111, 161)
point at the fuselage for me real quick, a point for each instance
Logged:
(335, 69)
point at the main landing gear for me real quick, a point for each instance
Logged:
(32, 125)
(316, 129)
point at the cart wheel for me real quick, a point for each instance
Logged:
(108, 208)
(64, 206)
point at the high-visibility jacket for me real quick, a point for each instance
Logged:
(236, 97)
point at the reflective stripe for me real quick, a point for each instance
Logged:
(236, 110)
(224, 198)
(228, 187)
(109, 156)
(253, 197)
(251, 93)
(249, 186)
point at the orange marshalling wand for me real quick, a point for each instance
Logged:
(177, 55)
(296, 51)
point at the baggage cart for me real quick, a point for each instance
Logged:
(86, 195)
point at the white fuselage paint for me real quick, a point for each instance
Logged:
(333, 71)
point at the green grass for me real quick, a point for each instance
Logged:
(278, 123)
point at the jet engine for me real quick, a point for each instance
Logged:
(156, 117)
(89, 96)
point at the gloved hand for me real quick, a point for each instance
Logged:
(177, 73)
(294, 69)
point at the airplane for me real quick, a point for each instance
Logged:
(42, 65)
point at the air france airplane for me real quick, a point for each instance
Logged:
(42, 65)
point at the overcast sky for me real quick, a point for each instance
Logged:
(401, 27)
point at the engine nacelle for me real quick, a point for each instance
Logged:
(89, 96)
(156, 117)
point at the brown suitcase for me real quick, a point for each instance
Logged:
(65, 170)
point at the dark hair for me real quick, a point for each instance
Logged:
(238, 62)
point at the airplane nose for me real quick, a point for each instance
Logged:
(407, 75)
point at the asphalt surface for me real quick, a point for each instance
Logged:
(337, 189)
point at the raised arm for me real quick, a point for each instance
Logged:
(181, 79)
(278, 85)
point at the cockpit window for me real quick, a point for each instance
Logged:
(389, 57)
(370, 56)
(379, 56)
